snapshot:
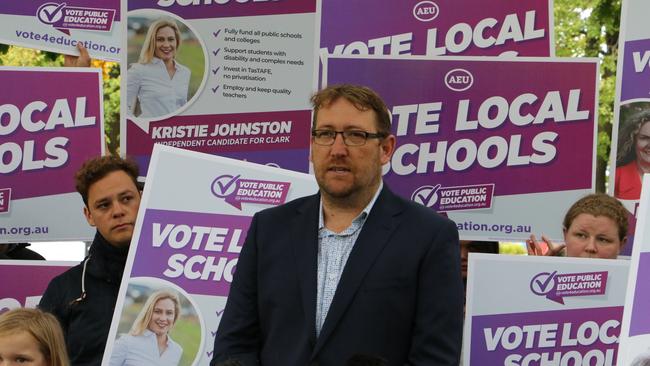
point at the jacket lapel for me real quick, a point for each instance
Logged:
(373, 237)
(304, 234)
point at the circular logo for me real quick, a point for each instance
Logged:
(459, 80)
(426, 11)
(543, 283)
(224, 185)
(426, 195)
(50, 13)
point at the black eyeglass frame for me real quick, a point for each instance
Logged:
(345, 135)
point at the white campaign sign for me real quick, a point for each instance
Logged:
(543, 310)
(192, 223)
(635, 335)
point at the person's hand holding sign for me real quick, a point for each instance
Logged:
(83, 60)
(545, 247)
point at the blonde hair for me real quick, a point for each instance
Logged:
(149, 46)
(44, 327)
(144, 317)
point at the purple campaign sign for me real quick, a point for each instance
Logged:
(517, 125)
(455, 198)
(554, 286)
(64, 17)
(23, 285)
(236, 190)
(281, 138)
(640, 320)
(56, 9)
(636, 70)
(435, 27)
(196, 251)
(51, 123)
(564, 337)
(226, 8)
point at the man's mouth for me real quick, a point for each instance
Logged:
(338, 169)
(122, 226)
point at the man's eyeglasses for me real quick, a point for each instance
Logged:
(350, 137)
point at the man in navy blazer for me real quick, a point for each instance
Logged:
(353, 270)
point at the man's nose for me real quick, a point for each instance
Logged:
(339, 147)
(118, 209)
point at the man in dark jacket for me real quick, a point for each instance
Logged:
(83, 298)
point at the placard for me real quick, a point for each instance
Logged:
(188, 243)
(25, 281)
(543, 310)
(436, 28)
(630, 152)
(244, 75)
(635, 336)
(58, 26)
(503, 147)
(52, 121)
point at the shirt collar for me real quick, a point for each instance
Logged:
(157, 61)
(148, 333)
(363, 214)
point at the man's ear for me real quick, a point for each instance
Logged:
(89, 216)
(387, 146)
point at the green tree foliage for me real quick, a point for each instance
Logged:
(112, 106)
(17, 56)
(512, 248)
(590, 28)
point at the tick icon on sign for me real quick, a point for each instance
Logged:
(224, 185)
(426, 195)
(50, 13)
(543, 283)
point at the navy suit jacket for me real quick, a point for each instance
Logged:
(400, 296)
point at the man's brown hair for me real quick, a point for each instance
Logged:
(362, 97)
(97, 168)
(599, 204)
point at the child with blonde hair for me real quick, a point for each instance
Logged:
(31, 337)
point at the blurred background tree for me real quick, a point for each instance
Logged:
(590, 28)
(19, 56)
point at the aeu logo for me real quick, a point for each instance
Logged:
(426, 11)
(459, 80)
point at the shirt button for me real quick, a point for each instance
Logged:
(331, 276)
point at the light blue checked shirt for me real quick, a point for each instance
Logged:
(333, 252)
